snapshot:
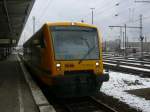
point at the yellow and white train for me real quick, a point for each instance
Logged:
(67, 57)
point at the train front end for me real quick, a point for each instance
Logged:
(77, 66)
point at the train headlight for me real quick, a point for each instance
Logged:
(58, 65)
(97, 63)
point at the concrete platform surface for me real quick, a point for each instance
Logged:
(15, 95)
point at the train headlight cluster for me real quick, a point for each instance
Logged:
(58, 65)
(97, 63)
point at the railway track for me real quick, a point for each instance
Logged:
(128, 65)
(88, 104)
(128, 60)
(83, 104)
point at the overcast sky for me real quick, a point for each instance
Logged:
(106, 13)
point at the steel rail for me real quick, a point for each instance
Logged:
(142, 72)
(90, 104)
(118, 63)
(128, 60)
(103, 105)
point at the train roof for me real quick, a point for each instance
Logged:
(69, 23)
(60, 24)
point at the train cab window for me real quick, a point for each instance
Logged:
(75, 43)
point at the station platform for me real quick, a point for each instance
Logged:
(15, 95)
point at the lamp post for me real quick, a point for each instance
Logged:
(33, 24)
(92, 14)
(141, 37)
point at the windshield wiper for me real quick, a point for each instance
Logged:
(89, 51)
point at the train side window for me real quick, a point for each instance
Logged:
(39, 42)
(36, 42)
(42, 41)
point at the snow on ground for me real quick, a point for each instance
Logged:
(119, 82)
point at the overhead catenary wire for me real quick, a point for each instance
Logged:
(126, 21)
(97, 8)
(111, 6)
(121, 4)
(45, 10)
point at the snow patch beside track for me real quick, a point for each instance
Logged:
(120, 82)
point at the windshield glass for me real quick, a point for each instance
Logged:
(75, 43)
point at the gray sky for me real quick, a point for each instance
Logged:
(104, 15)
